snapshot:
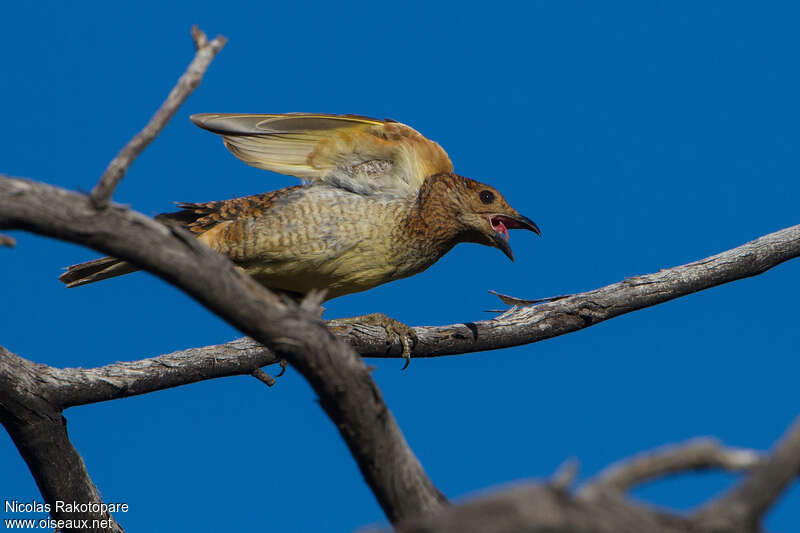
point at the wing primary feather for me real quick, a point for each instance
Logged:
(340, 150)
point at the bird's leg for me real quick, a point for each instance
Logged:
(395, 330)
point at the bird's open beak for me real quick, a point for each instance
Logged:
(502, 223)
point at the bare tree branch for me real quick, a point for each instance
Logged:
(748, 501)
(263, 377)
(80, 386)
(5, 240)
(32, 396)
(296, 334)
(565, 474)
(68, 387)
(532, 324)
(40, 434)
(542, 508)
(339, 377)
(696, 454)
(188, 82)
(601, 506)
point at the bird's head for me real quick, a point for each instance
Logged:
(481, 212)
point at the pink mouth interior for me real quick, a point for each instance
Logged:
(499, 226)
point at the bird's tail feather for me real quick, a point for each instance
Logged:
(97, 270)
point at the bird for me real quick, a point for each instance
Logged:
(378, 202)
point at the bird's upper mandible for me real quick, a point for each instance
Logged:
(363, 155)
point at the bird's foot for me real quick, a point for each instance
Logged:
(395, 330)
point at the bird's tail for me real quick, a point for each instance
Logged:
(97, 270)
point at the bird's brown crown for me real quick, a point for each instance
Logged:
(454, 196)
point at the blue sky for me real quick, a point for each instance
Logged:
(638, 135)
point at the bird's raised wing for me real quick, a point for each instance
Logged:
(361, 154)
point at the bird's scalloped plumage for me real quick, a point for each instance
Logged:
(360, 154)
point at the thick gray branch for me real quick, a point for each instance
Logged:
(532, 324)
(68, 387)
(542, 508)
(40, 434)
(519, 326)
(526, 325)
(188, 82)
(339, 377)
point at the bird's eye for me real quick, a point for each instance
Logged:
(487, 197)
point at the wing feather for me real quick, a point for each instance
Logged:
(362, 154)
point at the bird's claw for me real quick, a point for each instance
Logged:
(404, 337)
(283, 363)
(396, 331)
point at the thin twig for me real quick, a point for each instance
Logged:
(696, 454)
(206, 51)
(565, 474)
(5, 240)
(513, 300)
(263, 377)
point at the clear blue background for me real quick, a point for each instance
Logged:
(639, 135)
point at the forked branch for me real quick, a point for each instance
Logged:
(188, 82)
(296, 333)
(602, 507)
(40, 434)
